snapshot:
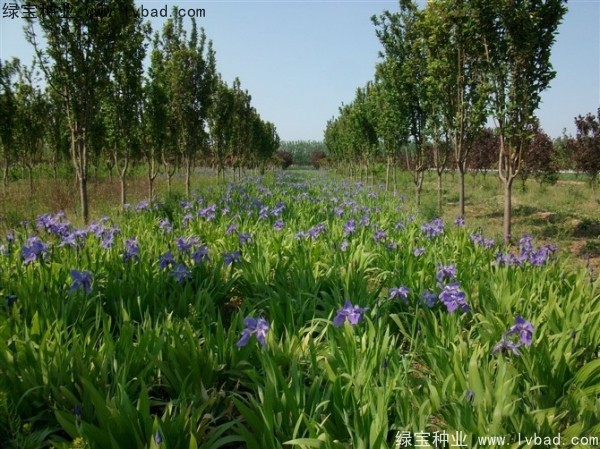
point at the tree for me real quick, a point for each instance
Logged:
(362, 131)
(587, 147)
(391, 136)
(57, 131)
(220, 122)
(8, 106)
(455, 82)
(517, 39)
(123, 103)
(30, 116)
(192, 77)
(404, 48)
(318, 159)
(484, 153)
(539, 158)
(285, 158)
(77, 60)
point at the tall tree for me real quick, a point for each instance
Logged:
(404, 46)
(155, 115)
(8, 106)
(30, 120)
(392, 136)
(192, 75)
(57, 131)
(455, 80)
(220, 122)
(123, 103)
(77, 58)
(517, 39)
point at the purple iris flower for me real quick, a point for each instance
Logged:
(525, 245)
(392, 246)
(231, 229)
(460, 221)
(429, 298)
(185, 244)
(349, 312)
(142, 206)
(349, 227)
(232, 257)
(506, 346)
(278, 209)
(208, 213)
(165, 225)
(379, 235)
(454, 298)
(344, 245)
(314, 232)
(279, 225)
(132, 250)
(254, 326)
(364, 220)
(181, 273)
(81, 279)
(263, 213)
(523, 328)
(166, 260)
(244, 238)
(35, 249)
(399, 292)
(478, 239)
(70, 240)
(446, 272)
(419, 251)
(433, 229)
(200, 255)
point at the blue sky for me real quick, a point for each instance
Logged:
(301, 59)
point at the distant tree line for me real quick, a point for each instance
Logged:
(302, 151)
(446, 70)
(99, 107)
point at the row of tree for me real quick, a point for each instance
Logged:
(446, 70)
(301, 150)
(100, 105)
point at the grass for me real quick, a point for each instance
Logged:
(565, 214)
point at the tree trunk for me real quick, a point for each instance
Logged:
(439, 191)
(54, 168)
(188, 169)
(387, 174)
(151, 188)
(123, 193)
(83, 196)
(461, 192)
(507, 209)
(419, 186)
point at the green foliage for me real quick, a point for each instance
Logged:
(301, 150)
(142, 360)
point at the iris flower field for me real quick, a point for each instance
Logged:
(291, 311)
